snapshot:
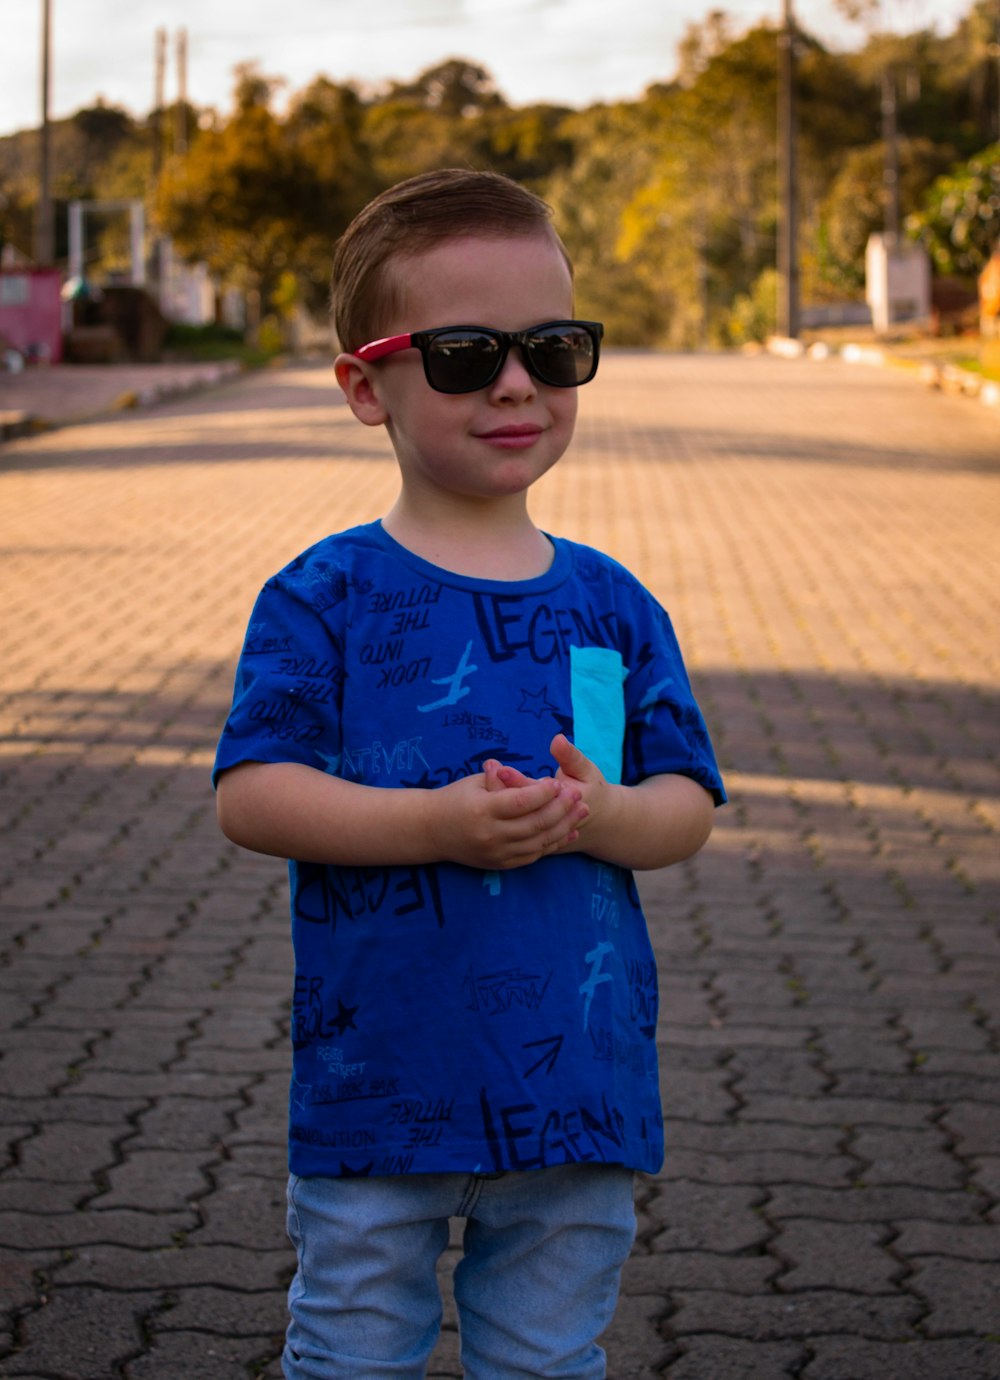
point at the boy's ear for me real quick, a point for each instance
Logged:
(357, 381)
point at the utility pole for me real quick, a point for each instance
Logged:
(181, 111)
(994, 50)
(159, 89)
(890, 136)
(788, 259)
(45, 250)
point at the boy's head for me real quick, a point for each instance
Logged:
(415, 216)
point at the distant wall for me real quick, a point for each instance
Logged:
(31, 311)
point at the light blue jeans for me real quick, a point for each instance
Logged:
(538, 1281)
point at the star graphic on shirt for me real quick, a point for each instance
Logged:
(565, 723)
(344, 1020)
(536, 704)
(422, 783)
(332, 767)
(348, 1172)
(299, 1093)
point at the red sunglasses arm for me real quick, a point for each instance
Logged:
(388, 345)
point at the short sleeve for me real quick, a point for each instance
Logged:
(288, 694)
(665, 731)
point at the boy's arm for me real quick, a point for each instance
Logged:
(295, 811)
(660, 821)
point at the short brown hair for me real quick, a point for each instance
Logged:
(411, 218)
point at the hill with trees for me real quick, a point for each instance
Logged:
(668, 203)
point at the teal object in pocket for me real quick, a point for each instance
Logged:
(597, 688)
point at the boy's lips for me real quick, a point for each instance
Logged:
(513, 435)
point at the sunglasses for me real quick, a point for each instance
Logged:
(462, 359)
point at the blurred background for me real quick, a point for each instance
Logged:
(721, 177)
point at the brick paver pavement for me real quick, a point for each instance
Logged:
(827, 540)
(37, 398)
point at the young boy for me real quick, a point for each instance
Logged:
(465, 734)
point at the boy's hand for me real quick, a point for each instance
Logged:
(595, 792)
(575, 765)
(576, 772)
(496, 824)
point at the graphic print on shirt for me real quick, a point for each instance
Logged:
(494, 993)
(445, 1018)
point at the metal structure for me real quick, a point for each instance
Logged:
(788, 258)
(137, 235)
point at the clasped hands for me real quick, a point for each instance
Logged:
(503, 819)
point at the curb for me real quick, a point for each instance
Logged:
(948, 378)
(16, 424)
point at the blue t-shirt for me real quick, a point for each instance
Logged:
(445, 1018)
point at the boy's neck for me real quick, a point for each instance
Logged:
(488, 541)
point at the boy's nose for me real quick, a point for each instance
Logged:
(513, 381)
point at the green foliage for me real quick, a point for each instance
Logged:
(17, 210)
(755, 313)
(960, 219)
(853, 208)
(211, 343)
(669, 204)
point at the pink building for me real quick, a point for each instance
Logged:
(31, 312)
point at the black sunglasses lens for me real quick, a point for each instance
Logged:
(563, 355)
(462, 361)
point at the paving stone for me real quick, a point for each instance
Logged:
(225, 1312)
(883, 1317)
(176, 1082)
(774, 1071)
(915, 1156)
(872, 1203)
(156, 1180)
(707, 1217)
(183, 1355)
(185, 1123)
(67, 1152)
(829, 964)
(445, 1362)
(759, 1168)
(976, 1125)
(835, 1255)
(741, 1138)
(985, 1171)
(961, 1295)
(665, 1271)
(228, 1266)
(975, 1242)
(914, 1359)
(831, 1110)
(35, 1230)
(24, 1276)
(22, 1195)
(729, 1358)
(80, 1332)
(698, 1096)
(244, 1211)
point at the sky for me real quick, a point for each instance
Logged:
(570, 52)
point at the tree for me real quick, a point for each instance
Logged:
(229, 200)
(698, 225)
(854, 206)
(325, 129)
(257, 196)
(17, 214)
(971, 58)
(960, 219)
(456, 87)
(611, 158)
(530, 144)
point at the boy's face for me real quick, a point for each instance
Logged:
(497, 441)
